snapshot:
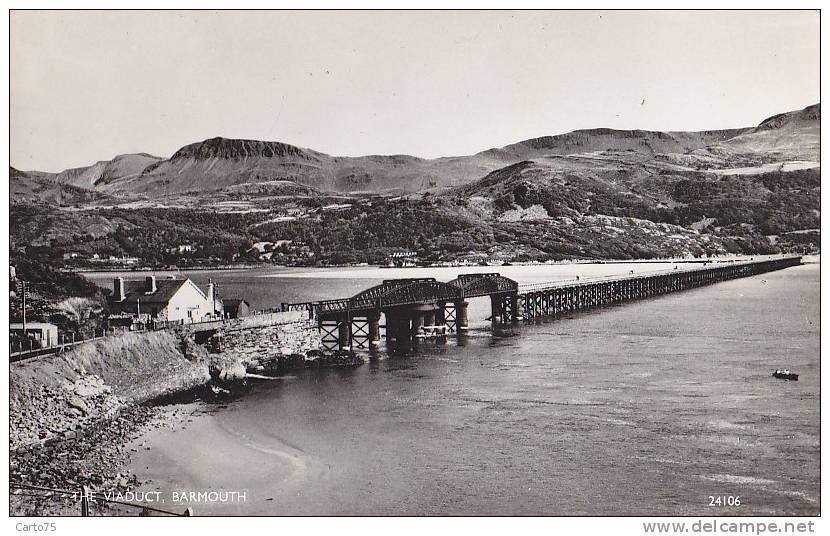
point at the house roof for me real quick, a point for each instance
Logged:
(165, 290)
(234, 302)
(32, 325)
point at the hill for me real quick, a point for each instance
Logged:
(758, 182)
(219, 163)
(586, 194)
(121, 167)
(37, 187)
(605, 139)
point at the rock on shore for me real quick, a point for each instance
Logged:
(276, 365)
(54, 397)
(94, 456)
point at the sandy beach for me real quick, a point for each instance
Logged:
(210, 457)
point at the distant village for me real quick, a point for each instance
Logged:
(284, 252)
(287, 253)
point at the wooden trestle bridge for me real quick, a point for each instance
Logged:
(415, 308)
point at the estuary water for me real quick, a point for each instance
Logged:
(646, 408)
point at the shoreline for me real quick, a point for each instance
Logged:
(179, 464)
(322, 269)
(98, 451)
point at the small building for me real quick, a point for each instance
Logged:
(46, 334)
(165, 300)
(236, 307)
(182, 248)
(402, 259)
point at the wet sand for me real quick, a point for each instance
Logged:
(201, 454)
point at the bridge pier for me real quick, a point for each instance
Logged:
(461, 321)
(344, 334)
(374, 330)
(429, 317)
(440, 318)
(417, 326)
(405, 325)
(495, 311)
(398, 331)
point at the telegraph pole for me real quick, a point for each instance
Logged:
(215, 287)
(23, 296)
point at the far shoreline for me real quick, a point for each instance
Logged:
(806, 258)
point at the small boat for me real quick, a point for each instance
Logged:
(785, 374)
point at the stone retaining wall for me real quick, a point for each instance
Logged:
(263, 338)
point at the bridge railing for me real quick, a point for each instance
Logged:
(579, 281)
(405, 292)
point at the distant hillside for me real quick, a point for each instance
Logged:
(220, 163)
(784, 137)
(604, 139)
(771, 186)
(121, 167)
(37, 187)
(588, 194)
(76, 185)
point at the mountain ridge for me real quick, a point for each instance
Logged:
(217, 163)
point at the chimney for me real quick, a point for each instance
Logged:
(211, 295)
(150, 284)
(118, 293)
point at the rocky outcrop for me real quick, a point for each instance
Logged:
(55, 397)
(808, 114)
(94, 456)
(58, 396)
(41, 412)
(237, 149)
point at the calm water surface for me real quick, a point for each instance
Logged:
(644, 408)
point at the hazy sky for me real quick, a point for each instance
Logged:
(86, 86)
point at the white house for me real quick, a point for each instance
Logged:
(166, 299)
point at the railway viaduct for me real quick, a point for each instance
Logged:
(415, 308)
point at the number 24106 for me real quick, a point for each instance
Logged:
(724, 500)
